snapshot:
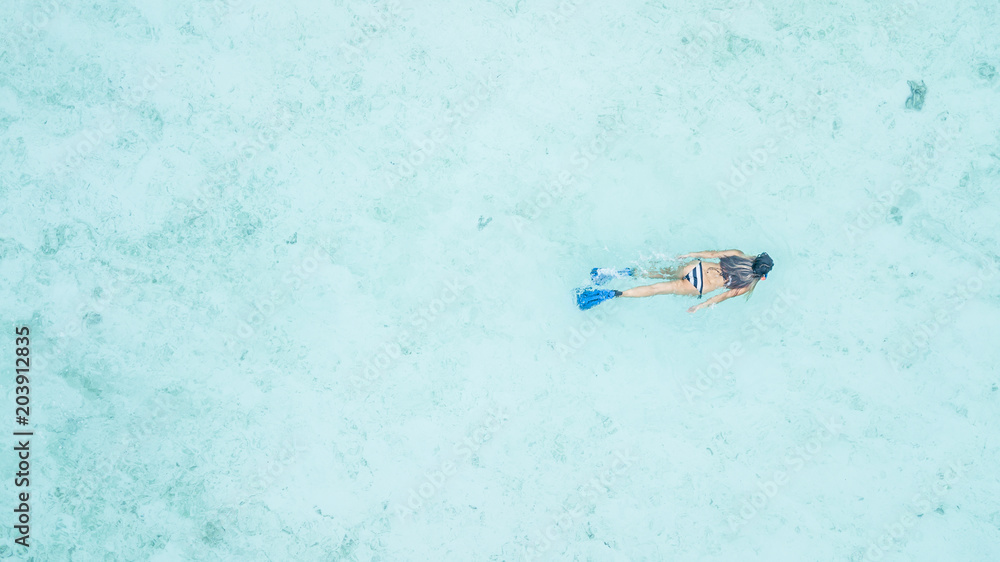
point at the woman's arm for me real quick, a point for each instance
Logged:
(711, 255)
(717, 299)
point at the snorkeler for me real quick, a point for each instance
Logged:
(735, 271)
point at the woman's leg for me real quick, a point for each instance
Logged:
(678, 287)
(676, 272)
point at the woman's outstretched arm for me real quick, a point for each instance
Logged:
(711, 255)
(718, 298)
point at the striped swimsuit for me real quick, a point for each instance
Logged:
(697, 278)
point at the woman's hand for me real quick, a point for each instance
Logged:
(694, 308)
(684, 256)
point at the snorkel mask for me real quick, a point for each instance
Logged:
(762, 265)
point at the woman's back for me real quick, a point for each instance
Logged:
(737, 271)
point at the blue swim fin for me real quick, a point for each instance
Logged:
(589, 298)
(601, 275)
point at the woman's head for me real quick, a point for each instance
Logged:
(740, 272)
(762, 264)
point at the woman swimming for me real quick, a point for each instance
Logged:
(735, 271)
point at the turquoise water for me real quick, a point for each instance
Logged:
(300, 277)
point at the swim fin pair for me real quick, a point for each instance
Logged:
(589, 298)
(601, 275)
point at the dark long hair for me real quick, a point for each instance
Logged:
(740, 272)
